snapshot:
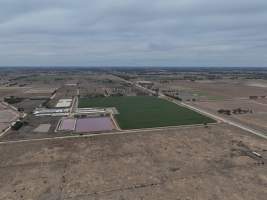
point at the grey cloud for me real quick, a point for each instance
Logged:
(133, 32)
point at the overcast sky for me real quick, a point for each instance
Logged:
(133, 32)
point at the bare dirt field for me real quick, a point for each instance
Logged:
(233, 104)
(40, 90)
(187, 163)
(3, 126)
(6, 116)
(262, 101)
(10, 91)
(220, 89)
(28, 104)
(258, 83)
(24, 92)
(257, 119)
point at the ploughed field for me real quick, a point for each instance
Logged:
(146, 112)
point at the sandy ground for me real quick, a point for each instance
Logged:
(3, 126)
(187, 163)
(40, 91)
(227, 89)
(255, 106)
(10, 91)
(256, 120)
(6, 116)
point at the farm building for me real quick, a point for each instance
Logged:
(64, 103)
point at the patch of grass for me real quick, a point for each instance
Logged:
(146, 112)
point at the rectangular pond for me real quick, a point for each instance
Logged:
(94, 124)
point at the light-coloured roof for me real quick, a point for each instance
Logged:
(64, 103)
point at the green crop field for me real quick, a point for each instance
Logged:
(146, 112)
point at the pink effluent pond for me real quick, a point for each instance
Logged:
(94, 124)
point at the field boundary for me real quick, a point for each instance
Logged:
(88, 135)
